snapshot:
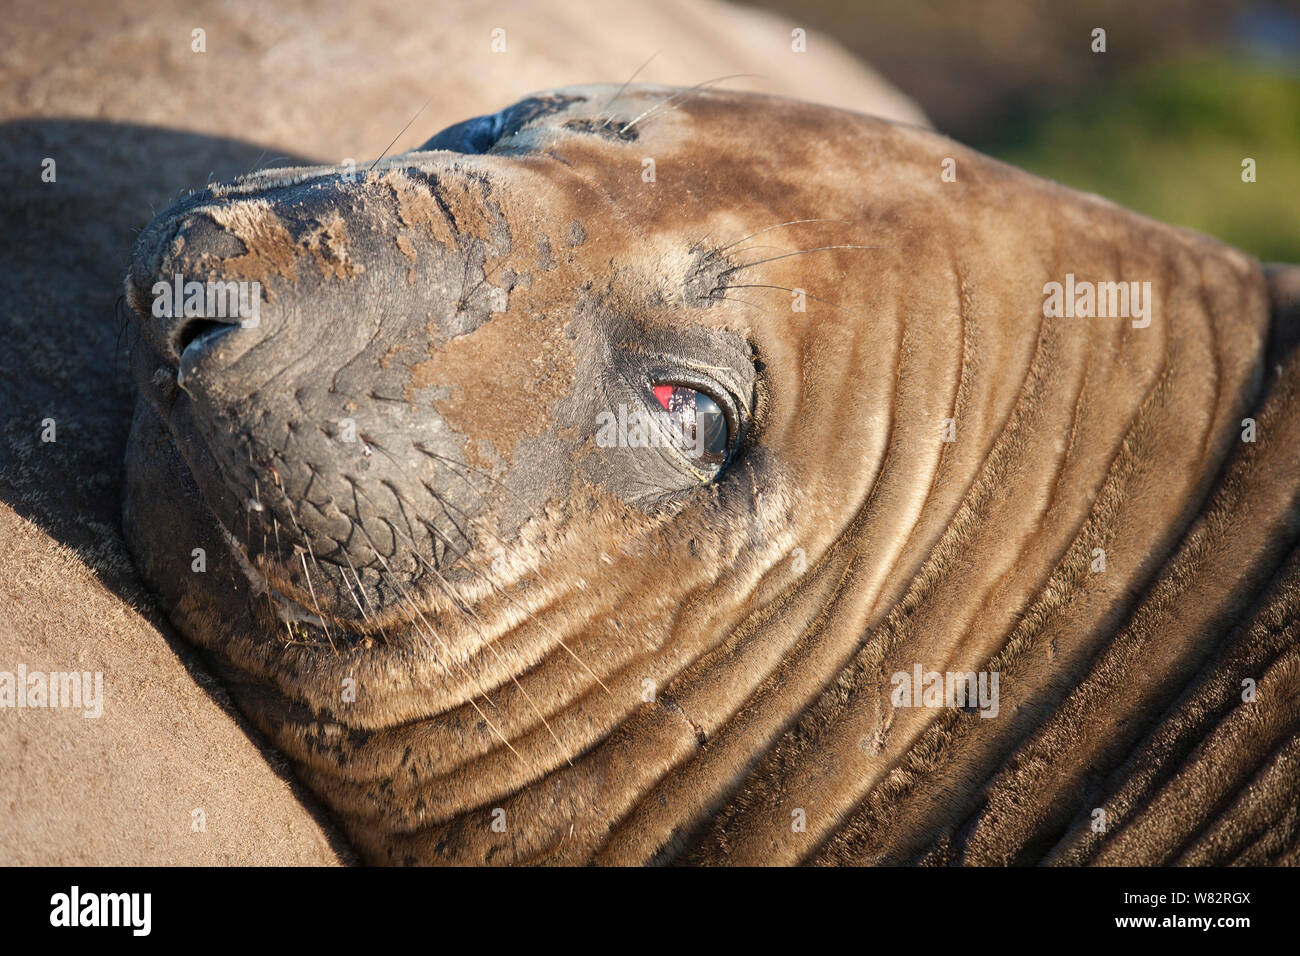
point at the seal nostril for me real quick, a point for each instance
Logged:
(196, 329)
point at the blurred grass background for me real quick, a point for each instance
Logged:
(1160, 122)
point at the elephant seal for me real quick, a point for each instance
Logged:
(593, 482)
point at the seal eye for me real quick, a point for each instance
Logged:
(479, 135)
(699, 422)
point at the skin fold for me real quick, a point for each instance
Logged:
(483, 636)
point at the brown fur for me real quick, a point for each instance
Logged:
(1072, 435)
(132, 116)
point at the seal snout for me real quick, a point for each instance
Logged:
(184, 298)
(283, 324)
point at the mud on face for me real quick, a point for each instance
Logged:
(439, 340)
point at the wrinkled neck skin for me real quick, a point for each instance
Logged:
(484, 637)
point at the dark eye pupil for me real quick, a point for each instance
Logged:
(700, 421)
(711, 425)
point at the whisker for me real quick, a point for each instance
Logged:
(428, 645)
(667, 104)
(496, 586)
(432, 632)
(491, 645)
(307, 541)
(469, 611)
(800, 252)
(419, 557)
(779, 225)
(352, 594)
(783, 288)
(532, 617)
(364, 596)
(625, 85)
(451, 463)
(753, 305)
(259, 159)
(323, 623)
(399, 135)
(487, 720)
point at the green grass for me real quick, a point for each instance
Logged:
(1169, 143)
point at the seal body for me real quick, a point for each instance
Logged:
(468, 558)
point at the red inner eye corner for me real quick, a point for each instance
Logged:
(664, 393)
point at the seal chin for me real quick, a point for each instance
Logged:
(163, 388)
(304, 624)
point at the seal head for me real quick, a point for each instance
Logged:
(586, 465)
